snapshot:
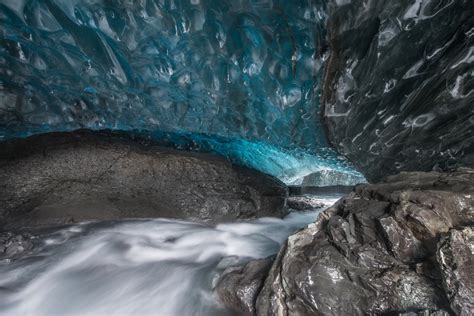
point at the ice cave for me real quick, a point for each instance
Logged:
(238, 78)
(236, 157)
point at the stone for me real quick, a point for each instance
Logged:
(401, 241)
(455, 257)
(330, 178)
(397, 93)
(302, 203)
(398, 247)
(296, 190)
(13, 246)
(64, 178)
(239, 287)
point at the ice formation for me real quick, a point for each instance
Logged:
(247, 72)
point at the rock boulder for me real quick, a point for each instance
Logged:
(70, 177)
(403, 246)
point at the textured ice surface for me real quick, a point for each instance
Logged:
(289, 165)
(237, 69)
(399, 93)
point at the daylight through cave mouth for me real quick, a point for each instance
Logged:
(237, 78)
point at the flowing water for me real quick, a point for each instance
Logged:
(137, 267)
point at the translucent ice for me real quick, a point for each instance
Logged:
(246, 70)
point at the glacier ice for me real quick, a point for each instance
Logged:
(247, 71)
(289, 165)
(399, 94)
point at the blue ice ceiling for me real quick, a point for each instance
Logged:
(243, 75)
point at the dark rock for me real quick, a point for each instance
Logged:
(302, 203)
(456, 258)
(330, 178)
(398, 87)
(63, 178)
(239, 286)
(297, 190)
(401, 241)
(12, 246)
(376, 252)
(426, 312)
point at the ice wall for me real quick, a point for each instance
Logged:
(399, 88)
(242, 70)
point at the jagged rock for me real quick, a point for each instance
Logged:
(397, 93)
(297, 190)
(401, 241)
(330, 178)
(302, 203)
(425, 313)
(456, 258)
(13, 245)
(376, 252)
(70, 177)
(239, 286)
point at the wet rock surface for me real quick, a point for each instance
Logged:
(238, 287)
(403, 246)
(302, 203)
(298, 190)
(376, 251)
(63, 178)
(455, 257)
(13, 246)
(398, 91)
(330, 178)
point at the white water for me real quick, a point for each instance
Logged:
(147, 267)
